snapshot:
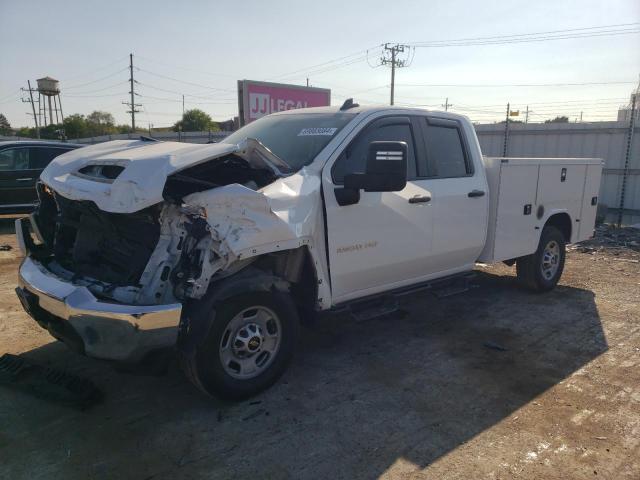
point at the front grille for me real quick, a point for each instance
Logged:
(110, 247)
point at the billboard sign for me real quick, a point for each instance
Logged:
(257, 99)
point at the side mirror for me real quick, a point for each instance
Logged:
(386, 171)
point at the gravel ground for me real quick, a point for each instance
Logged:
(492, 383)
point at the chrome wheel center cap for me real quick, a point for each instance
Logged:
(248, 340)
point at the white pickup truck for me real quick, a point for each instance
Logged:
(224, 249)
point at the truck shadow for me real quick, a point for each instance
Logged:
(359, 397)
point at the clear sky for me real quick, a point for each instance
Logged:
(200, 49)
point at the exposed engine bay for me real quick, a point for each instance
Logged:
(162, 253)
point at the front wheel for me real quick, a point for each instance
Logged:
(542, 270)
(249, 345)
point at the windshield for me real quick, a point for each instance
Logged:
(295, 138)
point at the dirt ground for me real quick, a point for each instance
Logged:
(493, 383)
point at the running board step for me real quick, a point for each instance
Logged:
(384, 304)
(457, 286)
(374, 308)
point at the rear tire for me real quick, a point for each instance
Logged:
(542, 270)
(248, 347)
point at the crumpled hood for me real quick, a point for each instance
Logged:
(140, 185)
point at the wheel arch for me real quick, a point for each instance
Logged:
(562, 221)
(290, 272)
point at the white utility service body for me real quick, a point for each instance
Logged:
(340, 224)
(550, 186)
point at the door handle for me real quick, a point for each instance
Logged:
(475, 193)
(420, 199)
(23, 179)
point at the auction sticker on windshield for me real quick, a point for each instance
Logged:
(307, 132)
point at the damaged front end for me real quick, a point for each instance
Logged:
(120, 277)
(167, 252)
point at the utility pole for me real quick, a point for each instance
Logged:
(307, 81)
(182, 106)
(580, 117)
(526, 115)
(132, 105)
(33, 108)
(627, 157)
(506, 133)
(446, 105)
(394, 61)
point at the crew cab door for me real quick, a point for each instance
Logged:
(455, 176)
(384, 240)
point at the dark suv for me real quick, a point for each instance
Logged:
(21, 163)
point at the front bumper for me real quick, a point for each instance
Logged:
(99, 329)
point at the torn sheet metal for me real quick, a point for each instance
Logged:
(282, 216)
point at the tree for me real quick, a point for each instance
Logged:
(558, 120)
(195, 120)
(27, 132)
(100, 123)
(75, 126)
(5, 127)
(53, 131)
(123, 128)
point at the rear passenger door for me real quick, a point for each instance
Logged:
(460, 199)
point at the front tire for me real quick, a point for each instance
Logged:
(248, 347)
(542, 270)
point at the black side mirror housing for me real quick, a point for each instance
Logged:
(386, 171)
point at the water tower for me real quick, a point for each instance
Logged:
(49, 88)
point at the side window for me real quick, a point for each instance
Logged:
(445, 150)
(14, 159)
(354, 157)
(42, 156)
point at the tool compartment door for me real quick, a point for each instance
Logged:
(589, 202)
(515, 233)
(560, 187)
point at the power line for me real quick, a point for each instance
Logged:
(185, 68)
(96, 81)
(102, 89)
(181, 93)
(617, 25)
(175, 100)
(15, 92)
(183, 81)
(495, 85)
(581, 102)
(119, 94)
(104, 67)
(603, 30)
(311, 68)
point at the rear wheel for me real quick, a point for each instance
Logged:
(249, 345)
(542, 270)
